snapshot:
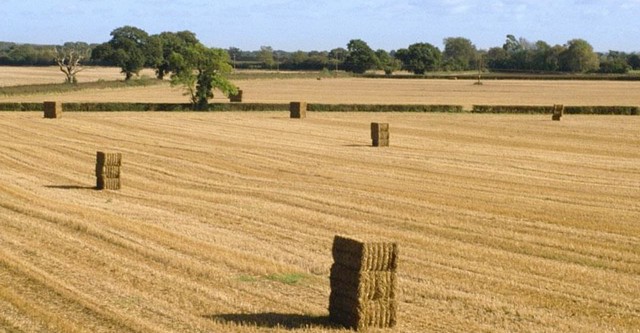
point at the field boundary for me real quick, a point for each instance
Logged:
(507, 76)
(548, 109)
(319, 107)
(223, 107)
(47, 88)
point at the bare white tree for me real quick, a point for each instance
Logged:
(68, 58)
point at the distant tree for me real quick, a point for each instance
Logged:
(520, 53)
(337, 57)
(614, 62)
(387, 63)
(30, 55)
(634, 61)
(403, 56)
(128, 49)
(422, 57)
(360, 57)
(317, 60)
(200, 70)
(459, 54)
(266, 56)
(579, 57)
(546, 57)
(497, 58)
(68, 58)
(234, 54)
(298, 58)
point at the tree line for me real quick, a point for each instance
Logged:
(458, 54)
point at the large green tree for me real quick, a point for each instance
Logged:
(459, 54)
(422, 57)
(170, 43)
(579, 57)
(128, 49)
(201, 70)
(360, 57)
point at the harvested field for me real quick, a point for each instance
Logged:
(505, 223)
(370, 91)
(13, 76)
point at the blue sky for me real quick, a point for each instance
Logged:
(323, 25)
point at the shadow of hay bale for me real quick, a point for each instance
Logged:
(71, 187)
(274, 320)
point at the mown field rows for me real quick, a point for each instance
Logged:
(225, 220)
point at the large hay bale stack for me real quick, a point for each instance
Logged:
(558, 112)
(52, 110)
(380, 134)
(108, 170)
(363, 283)
(236, 98)
(298, 110)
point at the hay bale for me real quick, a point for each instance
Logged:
(105, 183)
(558, 112)
(108, 171)
(111, 159)
(379, 314)
(362, 285)
(380, 134)
(236, 98)
(52, 110)
(360, 256)
(298, 110)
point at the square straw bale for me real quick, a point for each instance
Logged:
(108, 171)
(360, 256)
(376, 314)
(236, 98)
(104, 183)
(52, 110)
(108, 159)
(362, 285)
(298, 110)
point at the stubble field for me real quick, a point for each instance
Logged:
(225, 220)
(345, 90)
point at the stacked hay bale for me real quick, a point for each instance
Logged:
(380, 134)
(108, 170)
(558, 111)
(298, 110)
(52, 110)
(236, 98)
(363, 284)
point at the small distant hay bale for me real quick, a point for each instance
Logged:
(298, 110)
(52, 110)
(558, 112)
(380, 134)
(236, 98)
